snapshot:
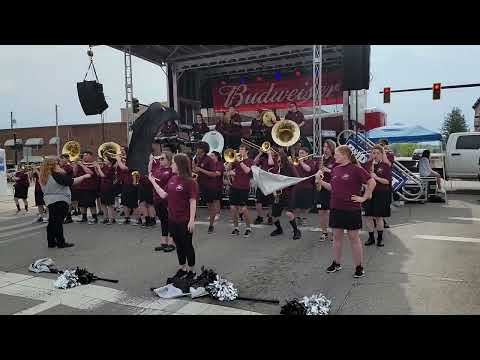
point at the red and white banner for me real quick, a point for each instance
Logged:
(277, 94)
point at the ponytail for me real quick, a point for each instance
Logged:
(345, 150)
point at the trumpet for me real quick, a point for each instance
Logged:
(296, 160)
(265, 147)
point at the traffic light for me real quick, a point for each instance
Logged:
(135, 105)
(437, 87)
(386, 95)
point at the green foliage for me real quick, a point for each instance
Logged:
(454, 122)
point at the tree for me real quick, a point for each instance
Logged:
(454, 122)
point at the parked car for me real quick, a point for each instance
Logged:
(417, 154)
(462, 156)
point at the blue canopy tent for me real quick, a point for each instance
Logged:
(403, 134)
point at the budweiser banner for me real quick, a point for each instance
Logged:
(277, 94)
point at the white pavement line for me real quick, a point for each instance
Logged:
(20, 225)
(447, 238)
(39, 308)
(25, 236)
(21, 231)
(464, 219)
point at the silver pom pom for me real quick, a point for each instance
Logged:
(67, 280)
(316, 305)
(222, 289)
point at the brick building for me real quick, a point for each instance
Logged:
(40, 141)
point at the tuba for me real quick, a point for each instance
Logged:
(72, 149)
(230, 156)
(109, 150)
(286, 133)
(214, 140)
(268, 118)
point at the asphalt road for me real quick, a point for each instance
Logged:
(429, 265)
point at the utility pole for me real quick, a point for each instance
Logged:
(56, 130)
(14, 138)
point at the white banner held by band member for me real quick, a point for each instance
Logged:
(269, 182)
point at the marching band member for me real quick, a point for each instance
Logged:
(169, 129)
(21, 187)
(207, 182)
(129, 191)
(240, 190)
(39, 200)
(235, 128)
(303, 191)
(297, 116)
(219, 170)
(346, 183)
(68, 170)
(145, 200)
(378, 207)
(259, 131)
(200, 128)
(161, 170)
(87, 189)
(265, 162)
(181, 193)
(224, 127)
(285, 200)
(323, 196)
(389, 159)
(106, 175)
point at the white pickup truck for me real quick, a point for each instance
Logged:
(462, 155)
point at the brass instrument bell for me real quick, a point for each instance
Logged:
(286, 133)
(72, 149)
(109, 150)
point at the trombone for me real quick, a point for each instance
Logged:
(296, 160)
(265, 147)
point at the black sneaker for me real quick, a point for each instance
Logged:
(113, 221)
(65, 245)
(169, 248)
(139, 222)
(297, 235)
(105, 222)
(68, 220)
(369, 242)
(93, 221)
(40, 219)
(127, 222)
(236, 232)
(380, 243)
(210, 229)
(52, 245)
(276, 232)
(258, 220)
(161, 247)
(359, 272)
(334, 268)
(247, 233)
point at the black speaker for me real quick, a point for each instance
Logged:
(356, 67)
(90, 94)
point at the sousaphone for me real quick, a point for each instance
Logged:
(72, 149)
(286, 133)
(215, 140)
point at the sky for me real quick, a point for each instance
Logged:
(35, 78)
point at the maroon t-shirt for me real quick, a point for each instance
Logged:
(330, 164)
(206, 163)
(221, 168)
(346, 181)
(163, 174)
(223, 128)
(262, 163)
(87, 184)
(23, 179)
(296, 116)
(241, 180)
(382, 170)
(180, 191)
(307, 184)
(291, 171)
(124, 176)
(107, 182)
(390, 156)
(201, 128)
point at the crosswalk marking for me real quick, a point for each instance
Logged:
(93, 296)
(24, 236)
(23, 224)
(464, 218)
(447, 238)
(21, 231)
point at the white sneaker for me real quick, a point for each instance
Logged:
(323, 237)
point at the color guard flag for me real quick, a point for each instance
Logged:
(269, 182)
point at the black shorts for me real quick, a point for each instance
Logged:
(117, 189)
(265, 200)
(130, 196)
(219, 194)
(379, 204)
(87, 198)
(322, 199)
(75, 196)
(303, 198)
(145, 193)
(107, 197)
(39, 200)
(239, 197)
(208, 195)
(21, 192)
(345, 219)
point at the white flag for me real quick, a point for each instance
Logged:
(269, 183)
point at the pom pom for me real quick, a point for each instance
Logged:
(67, 280)
(313, 305)
(222, 289)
